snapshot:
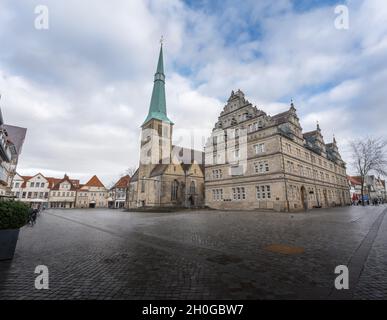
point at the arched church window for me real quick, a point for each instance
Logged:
(192, 188)
(175, 187)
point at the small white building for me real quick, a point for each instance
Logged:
(118, 193)
(33, 190)
(64, 193)
(92, 195)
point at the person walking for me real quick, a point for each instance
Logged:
(33, 216)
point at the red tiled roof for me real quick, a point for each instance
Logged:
(94, 182)
(66, 178)
(25, 178)
(123, 182)
(51, 181)
(354, 180)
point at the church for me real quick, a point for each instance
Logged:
(167, 175)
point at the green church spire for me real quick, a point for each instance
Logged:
(158, 106)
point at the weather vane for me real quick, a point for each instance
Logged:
(162, 40)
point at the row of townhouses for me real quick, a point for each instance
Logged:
(11, 142)
(373, 188)
(49, 192)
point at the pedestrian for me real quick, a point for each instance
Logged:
(33, 216)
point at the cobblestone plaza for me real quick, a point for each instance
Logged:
(109, 254)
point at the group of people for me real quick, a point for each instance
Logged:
(374, 202)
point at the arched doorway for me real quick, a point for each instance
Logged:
(304, 198)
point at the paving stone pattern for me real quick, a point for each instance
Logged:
(109, 254)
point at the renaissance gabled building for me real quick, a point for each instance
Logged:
(168, 175)
(257, 161)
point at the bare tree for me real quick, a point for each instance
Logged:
(369, 156)
(130, 171)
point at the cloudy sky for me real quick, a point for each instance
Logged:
(83, 87)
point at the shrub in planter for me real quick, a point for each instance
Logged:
(13, 215)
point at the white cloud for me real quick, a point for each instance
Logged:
(83, 87)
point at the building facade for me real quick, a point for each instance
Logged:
(64, 193)
(374, 188)
(11, 142)
(93, 194)
(168, 175)
(256, 161)
(33, 190)
(355, 188)
(118, 193)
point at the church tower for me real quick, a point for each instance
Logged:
(156, 133)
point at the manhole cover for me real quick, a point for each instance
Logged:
(284, 249)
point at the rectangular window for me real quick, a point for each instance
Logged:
(263, 192)
(261, 167)
(238, 193)
(236, 133)
(217, 194)
(255, 126)
(217, 174)
(259, 148)
(32, 184)
(300, 170)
